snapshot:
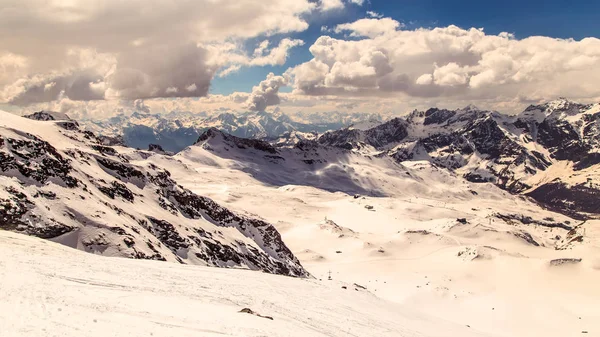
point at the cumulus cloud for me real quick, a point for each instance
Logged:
(275, 56)
(369, 27)
(373, 14)
(140, 106)
(425, 79)
(465, 64)
(81, 78)
(124, 56)
(450, 74)
(266, 93)
(161, 71)
(231, 59)
(232, 69)
(11, 64)
(327, 5)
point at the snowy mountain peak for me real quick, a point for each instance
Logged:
(557, 109)
(48, 116)
(470, 107)
(214, 137)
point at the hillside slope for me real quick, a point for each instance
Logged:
(63, 292)
(60, 183)
(411, 232)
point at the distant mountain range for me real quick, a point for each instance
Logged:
(67, 184)
(175, 131)
(549, 152)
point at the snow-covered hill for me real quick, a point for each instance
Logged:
(431, 212)
(62, 292)
(413, 232)
(60, 183)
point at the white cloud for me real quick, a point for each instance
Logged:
(229, 57)
(425, 79)
(369, 27)
(450, 74)
(275, 56)
(452, 63)
(234, 68)
(266, 93)
(12, 64)
(259, 51)
(102, 45)
(327, 5)
(373, 14)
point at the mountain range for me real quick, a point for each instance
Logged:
(177, 130)
(468, 216)
(549, 152)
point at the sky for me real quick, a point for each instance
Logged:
(558, 19)
(102, 57)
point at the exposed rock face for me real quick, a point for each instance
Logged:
(112, 141)
(438, 116)
(34, 160)
(389, 132)
(568, 199)
(67, 185)
(155, 147)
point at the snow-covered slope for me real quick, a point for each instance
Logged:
(411, 232)
(60, 183)
(430, 212)
(66, 293)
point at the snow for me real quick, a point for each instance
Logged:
(426, 273)
(409, 248)
(64, 292)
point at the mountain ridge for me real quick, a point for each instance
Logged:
(177, 130)
(486, 146)
(61, 183)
